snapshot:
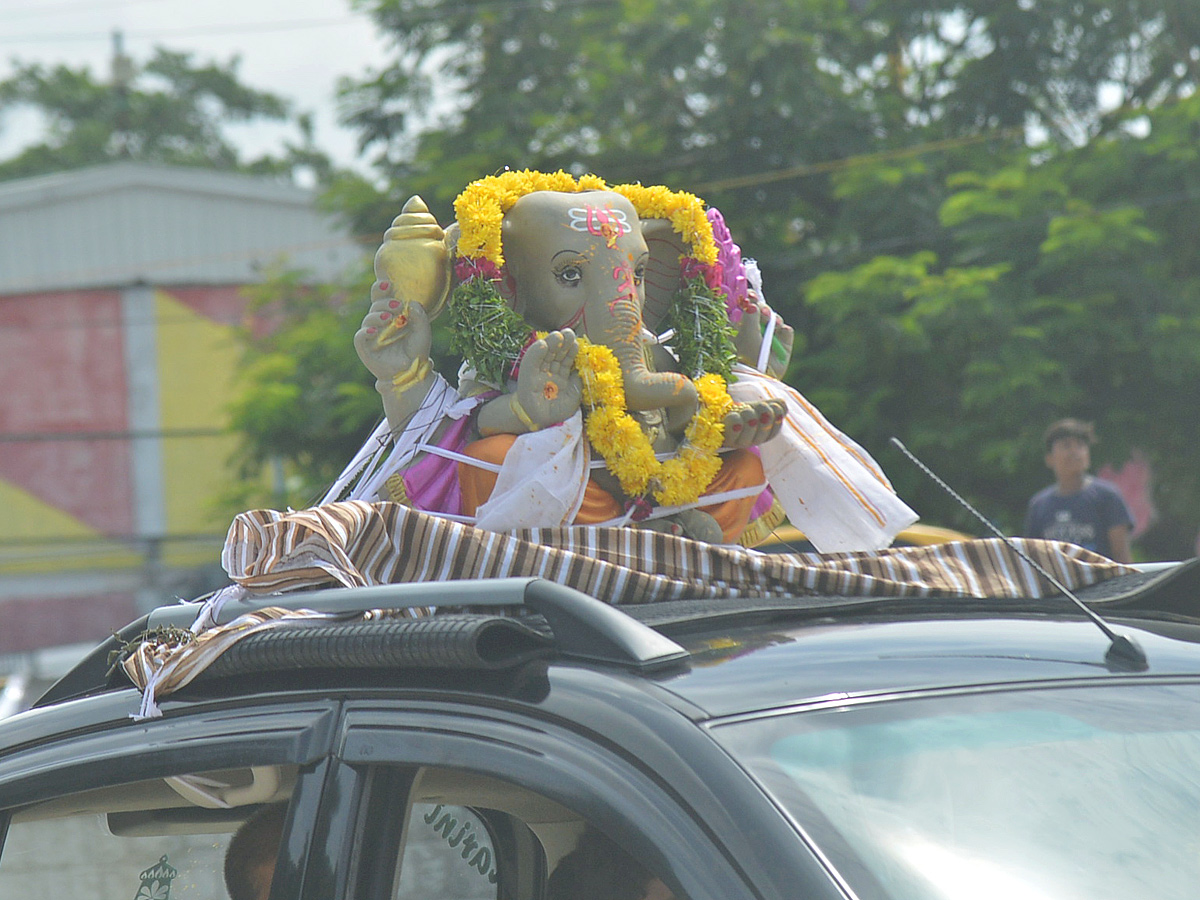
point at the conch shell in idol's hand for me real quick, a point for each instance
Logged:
(413, 261)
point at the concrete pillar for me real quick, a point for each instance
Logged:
(140, 333)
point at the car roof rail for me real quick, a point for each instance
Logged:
(583, 627)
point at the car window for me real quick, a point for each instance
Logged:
(497, 839)
(468, 836)
(448, 853)
(77, 856)
(535, 789)
(159, 839)
(1079, 792)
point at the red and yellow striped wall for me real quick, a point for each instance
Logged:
(69, 491)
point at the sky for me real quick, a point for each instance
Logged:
(296, 49)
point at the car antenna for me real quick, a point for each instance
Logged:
(1123, 651)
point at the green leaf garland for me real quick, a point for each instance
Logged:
(703, 339)
(485, 330)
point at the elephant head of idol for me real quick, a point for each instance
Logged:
(605, 263)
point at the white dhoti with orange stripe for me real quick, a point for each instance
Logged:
(830, 487)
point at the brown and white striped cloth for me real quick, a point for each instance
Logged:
(356, 543)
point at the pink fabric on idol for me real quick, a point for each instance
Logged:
(765, 499)
(432, 484)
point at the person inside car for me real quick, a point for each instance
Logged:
(250, 856)
(597, 869)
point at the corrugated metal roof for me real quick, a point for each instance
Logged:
(130, 223)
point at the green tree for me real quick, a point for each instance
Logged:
(169, 110)
(304, 404)
(1066, 285)
(950, 285)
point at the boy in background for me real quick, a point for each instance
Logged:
(1079, 507)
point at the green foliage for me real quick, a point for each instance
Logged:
(485, 331)
(949, 284)
(171, 110)
(1077, 299)
(303, 403)
(703, 338)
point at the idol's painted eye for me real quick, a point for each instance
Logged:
(639, 273)
(569, 276)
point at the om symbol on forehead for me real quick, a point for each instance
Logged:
(606, 223)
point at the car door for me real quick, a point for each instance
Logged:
(466, 802)
(146, 810)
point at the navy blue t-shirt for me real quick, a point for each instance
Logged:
(1083, 518)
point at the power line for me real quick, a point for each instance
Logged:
(414, 17)
(837, 165)
(114, 538)
(1145, 201)
(190, 31)
(263, 255)
(44, 10)
(900, 242)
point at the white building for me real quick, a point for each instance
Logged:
(119, 288)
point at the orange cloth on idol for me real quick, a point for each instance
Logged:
(739, 469)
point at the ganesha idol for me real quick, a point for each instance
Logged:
(620, 368)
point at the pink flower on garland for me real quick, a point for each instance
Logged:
(466, 268)
(639, 509)
(729, 260)
(690, 267)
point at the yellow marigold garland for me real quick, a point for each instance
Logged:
(480, 209)
(615, 434)
(627, 450)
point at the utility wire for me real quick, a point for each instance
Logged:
(190, 31)
(837, 165)
(85, 541)
(23, 437)
(285, 252)
(44, 10)
(414, 17)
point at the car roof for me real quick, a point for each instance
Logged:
(719, 657)
(750, 668)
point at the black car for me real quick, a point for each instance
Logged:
(812, 747)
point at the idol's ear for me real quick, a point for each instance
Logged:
(450, 241)
(506, 287)
(450, 238)
(663, 277)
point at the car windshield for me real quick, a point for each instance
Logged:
(1085, 792)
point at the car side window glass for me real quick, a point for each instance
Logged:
(160, 839)
(596, 866)
(474, 837)
(78, 857)
(449, 853)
